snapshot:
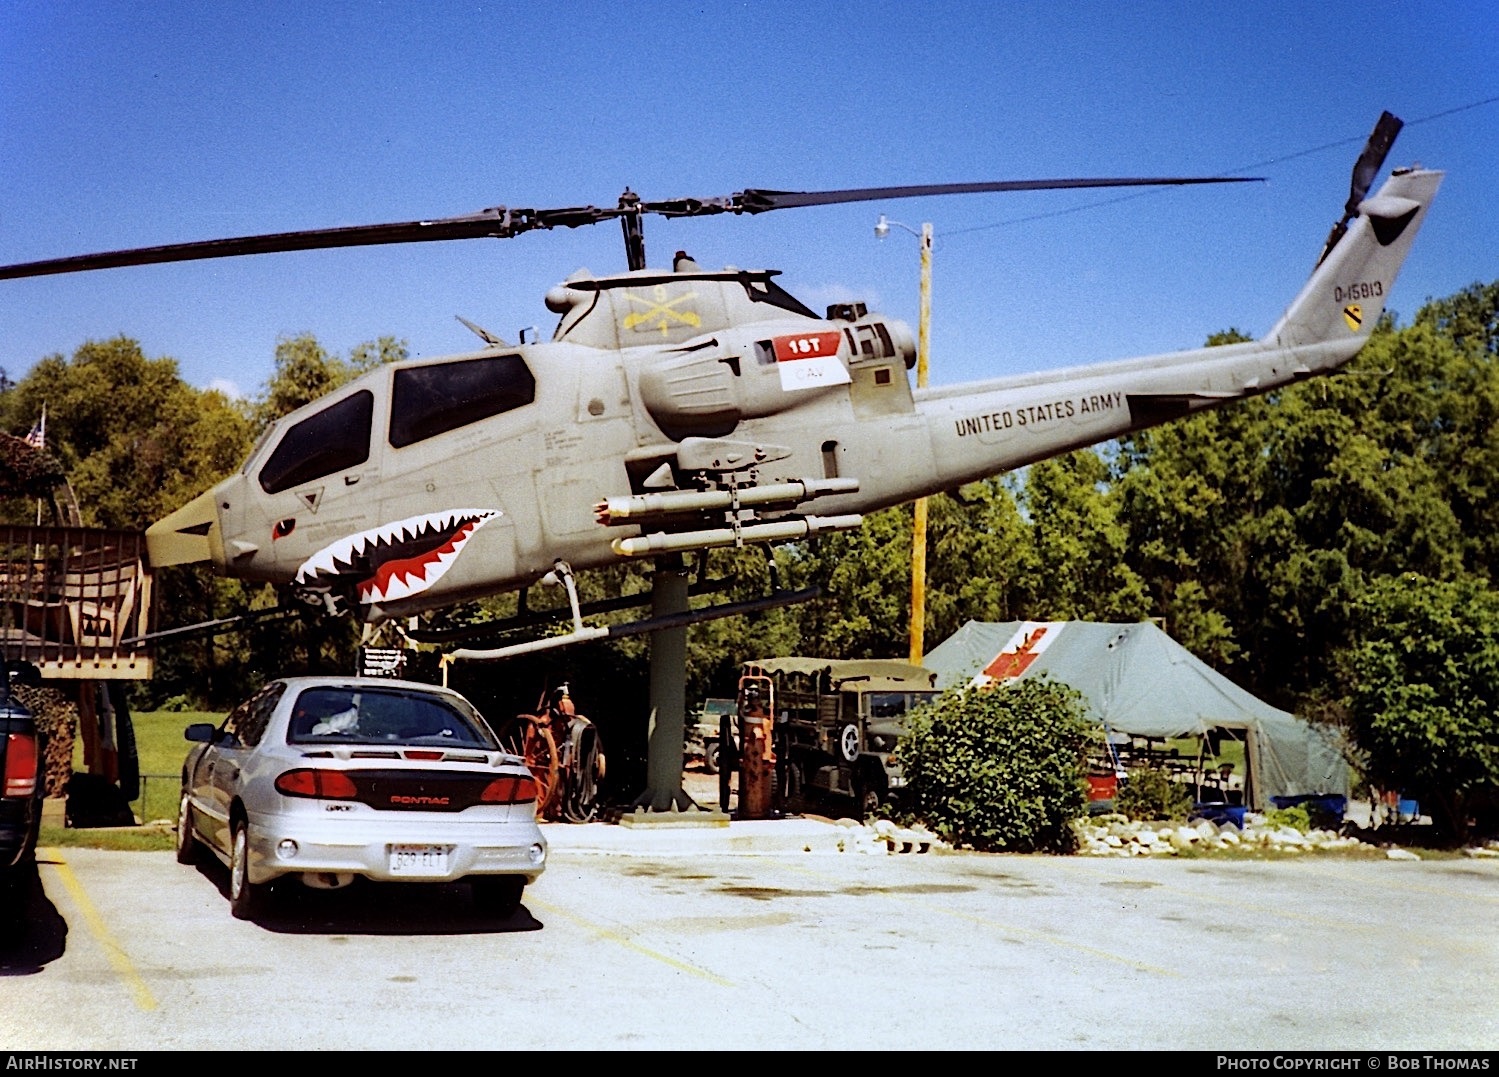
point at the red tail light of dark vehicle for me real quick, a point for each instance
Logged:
(20, 765)
(319, 784)
(510, 789)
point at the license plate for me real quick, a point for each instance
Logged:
(418, 859)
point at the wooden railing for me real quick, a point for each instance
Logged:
(70, 596)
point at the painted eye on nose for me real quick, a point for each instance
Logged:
(284, 527)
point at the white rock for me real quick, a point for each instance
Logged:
(1400, 854)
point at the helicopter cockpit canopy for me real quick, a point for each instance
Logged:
(651, 307)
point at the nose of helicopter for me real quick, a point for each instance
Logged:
(189, 535)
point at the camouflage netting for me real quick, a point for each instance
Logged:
(56, 716)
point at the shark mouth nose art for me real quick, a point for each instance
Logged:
(396, 560)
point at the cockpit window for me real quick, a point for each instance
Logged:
(433, 399)
(334, 439)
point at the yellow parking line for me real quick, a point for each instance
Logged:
(143, 998)
(624, 940)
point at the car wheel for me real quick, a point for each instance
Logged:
(246, 899)
(187, 845)
(15, 892)
(710, 757)
(498, 895)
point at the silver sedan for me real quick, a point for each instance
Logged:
(328, 779)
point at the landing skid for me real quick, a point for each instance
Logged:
(661, 621)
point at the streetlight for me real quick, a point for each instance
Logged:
(923, 340)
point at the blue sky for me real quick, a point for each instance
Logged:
(125, 125)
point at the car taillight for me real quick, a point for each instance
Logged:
(510, 789)
(322, 784)
(20, 764)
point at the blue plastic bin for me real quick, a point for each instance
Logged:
(1331, 808)
(1219, 814)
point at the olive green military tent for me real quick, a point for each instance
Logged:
(1140, 682)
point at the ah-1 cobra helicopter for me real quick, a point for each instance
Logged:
(686, 409)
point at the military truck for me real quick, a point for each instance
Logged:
(837, 723)
(703, 732)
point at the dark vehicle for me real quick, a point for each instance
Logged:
(22, 749)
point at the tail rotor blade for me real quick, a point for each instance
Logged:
(1364, 170)
(1372, 159)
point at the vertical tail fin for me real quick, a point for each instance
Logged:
(1347, 292)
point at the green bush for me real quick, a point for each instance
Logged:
(1297, 818)
(1000, 769)
(1149, 795)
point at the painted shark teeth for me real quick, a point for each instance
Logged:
(396, 560)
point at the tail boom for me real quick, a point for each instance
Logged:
(987, 428)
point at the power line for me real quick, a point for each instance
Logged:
(1231, 172)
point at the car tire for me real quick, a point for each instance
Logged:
(14, 894)
(187, 845)
(246, 899)
(710, 757)
(498, 895)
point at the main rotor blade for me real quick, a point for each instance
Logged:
(499, 223)
(757, 200)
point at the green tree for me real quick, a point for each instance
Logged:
(305, 371)
(1423, 701)
(978, 556)
(135, 440)
(865, 578)
(1258, 526)
(1078, 544)
(1470, 318)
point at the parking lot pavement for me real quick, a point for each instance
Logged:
(714, 833)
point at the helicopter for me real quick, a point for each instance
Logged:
(677, 410)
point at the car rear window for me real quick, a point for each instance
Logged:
(338, 715)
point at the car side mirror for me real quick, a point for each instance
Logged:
(202, 732)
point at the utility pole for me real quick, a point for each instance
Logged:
(923, 344)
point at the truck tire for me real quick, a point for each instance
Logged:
(848, 742)
(728, 760)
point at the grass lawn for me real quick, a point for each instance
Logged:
(161, 748)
